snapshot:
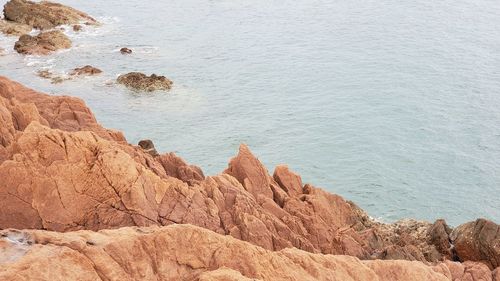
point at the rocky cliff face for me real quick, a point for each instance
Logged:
(62, 172)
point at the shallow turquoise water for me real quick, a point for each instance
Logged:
(391, 104)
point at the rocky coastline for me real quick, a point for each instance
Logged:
(81, 203)
(80, 194)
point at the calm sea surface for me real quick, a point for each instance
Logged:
(392, 104)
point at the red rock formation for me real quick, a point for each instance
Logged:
(478, 241)
(183, 252)
(62, 171)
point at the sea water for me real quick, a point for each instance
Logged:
(392, 104)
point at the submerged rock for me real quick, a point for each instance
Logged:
(42, 44)
(43, 15)
(141, 82)
(125, 51)
(87, 70)
(54, 79)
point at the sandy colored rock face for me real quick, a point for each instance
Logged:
(44, 14)
(13, 29)
(184, 252)
(42, 44)
(141, 82)
(62, 171)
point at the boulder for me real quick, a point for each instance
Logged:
(149, 147)
(43, 15)
(42, 44)
(478, 241)
(77, 27)
(141, 82)
(125, 51)
(439, 236)
(87, 70)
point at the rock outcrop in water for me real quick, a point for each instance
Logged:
(42, 44)
(141, 82)
(43, 15)
(125, 51)
(87, 70)
(61, 171)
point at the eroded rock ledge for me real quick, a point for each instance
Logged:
(61, 171)
(185, 252)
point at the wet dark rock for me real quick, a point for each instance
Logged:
(438, 235)
(141, 82)
(87, 70)
(125, 51)
(149, 147)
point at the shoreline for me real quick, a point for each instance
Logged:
(58, 138)
(79, 202)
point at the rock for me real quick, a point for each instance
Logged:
(496, 274)
(54, 79)
(85, 70)
(248, 170)
(289, 181)
(2, 52)
(141, 82)
(61, 171)
(185, 252)
(77, 27)
(125, 51)
(176, 167)
(43, 15)
(149, 147)
(13, 29)
(42, 44)
(81, 71)
(19, 106)
(438, 235)
(478, 241)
